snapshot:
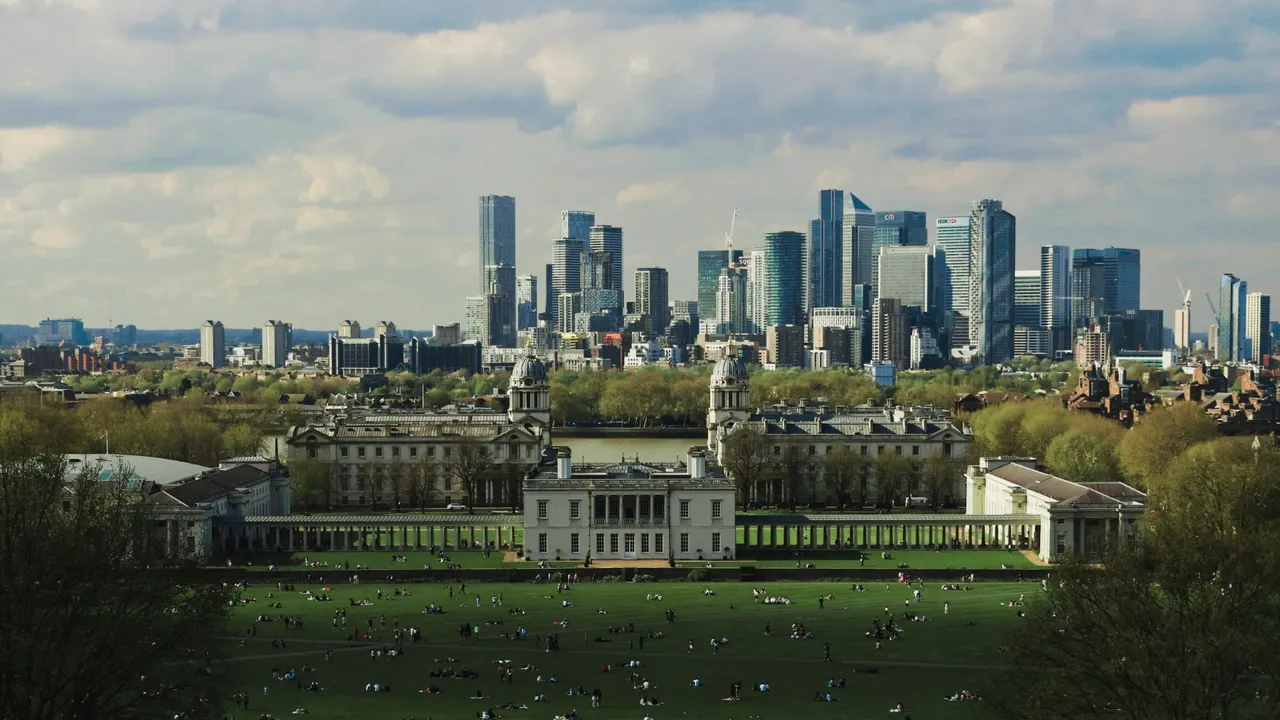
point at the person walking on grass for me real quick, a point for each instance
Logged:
(826, 652)
(690, 646)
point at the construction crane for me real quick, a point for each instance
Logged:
(1186, 296)
(728, 238)
(1213, 309)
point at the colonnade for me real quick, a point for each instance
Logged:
(825, 536)
(294, 537)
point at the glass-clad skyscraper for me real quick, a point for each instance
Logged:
(992, 248)
(1232, 307)
(826, 254)
(859, 235)
(497, 236)
(784, 278)
(710, 263)
(896, 228)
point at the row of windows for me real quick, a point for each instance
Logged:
(513, 451)
(382, 484)
(865, 449)
(575, 509)
(628, 543)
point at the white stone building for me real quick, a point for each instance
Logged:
(1058, 517)
(629, 510)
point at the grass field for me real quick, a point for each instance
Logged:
(932, 659)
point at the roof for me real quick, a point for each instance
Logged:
(857, 203)
(929, 518)
(216, 484)
(384, 518)
(161, 471)
(1063, 491)
(879, 423)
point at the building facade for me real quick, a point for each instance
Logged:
(277, 341)
(526, 302)
(652, 296)
(710, 264)
(826, 251)
(566, 275)
(629, 510)
(1232, 310)
(577, 224)
(497, 235)
(859, 236)
(890, 333)
(1257, 326)
(1055, 297)
(608, 238)
(783, 285)
(213, 344)
(896, 228)
(915, 276)
(992, 255)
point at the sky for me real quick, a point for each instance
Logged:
(167, 161)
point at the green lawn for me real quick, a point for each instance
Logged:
(379, 560)
(933, 658)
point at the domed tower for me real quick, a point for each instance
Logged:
(730, 399)
(529, 392)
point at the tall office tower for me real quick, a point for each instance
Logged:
(826, 254)
(1122, 268)
(914, 276)
(348, 329)
(651, 296)
(685, 310)
(1026, 298)
(548, 293)
(213, 344)
(450, 334)
(277, 341)
(568, 305)
(54, 331)
(599, 293)
(1105, 281)
(497, 234)
(755, 291)
(859, 235)
(1182, 330)
(896, 228)
(597, 270)
(953, 237)
(1257, 325)
(475, 319)
(889, 332)
(731, 300)
(1232, 304)
(526, 302)
(710, 263)
(501, 284)
(784, 278)
(992, 253)
(608, 238)
(566, 274)
(1055, 297)
(577, 224)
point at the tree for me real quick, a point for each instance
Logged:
(939, 476)
(792, 467)
(101, 620)
(895, 474)
(843, 470)
(310, 481)
(469, 464)
(746, 458)
(511, 479)
(1081, 456)
(1163, 434)
(399, 477)
(241, 439)
(423, 477)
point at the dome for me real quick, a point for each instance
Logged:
(527, 371)
(729, 368)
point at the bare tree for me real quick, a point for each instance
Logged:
(843, 471)
(746, 459)
(510, 476)
(422, 479)
(103, 617)
(894, 474)
(793, 466)
(940, 474)
(469, 464)
(310, 481)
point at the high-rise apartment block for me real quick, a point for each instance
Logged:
(1055, 297)
(992, 254)
(890, 328)
(213, 344)
(1257, 326)
(500, 282)
(526, 302)
(652, 296)
(566, 273)
(785, 345)
(1026, 298)
(607, 238)
(783, 286)
(1182, 330)
(1232, 303)
(277, 341)
(731, 300)
(348, 329)
(497, 236)
(568, 305)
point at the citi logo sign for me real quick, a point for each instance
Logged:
(888, 216)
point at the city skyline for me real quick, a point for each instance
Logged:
(365, 152)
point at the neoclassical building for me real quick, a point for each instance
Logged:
(869, 430)
(416, 458)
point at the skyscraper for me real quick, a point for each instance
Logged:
(651, 296)
(710, 263)
(497, 234)
(277, 340)
(913, 276)
(889, 332)
(784, 278)
(1182, 329)
(599, 292)
(1232, 304)
(1055, 300)
(348, 329)
(754, 263)
(1026, 298)
(1105, 281)
(213, 344)
(953, 238)
(826, 255)
(501, 307)
(568, 305)
(896, 228)
(992, 249)
(566, 273)
(1123, 273)
(607, 238)
(577, 224)
(731, 299)
(1257, 325)
(859, 235)
(526, 302)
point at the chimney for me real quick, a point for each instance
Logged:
(697, 464)
(564, 465)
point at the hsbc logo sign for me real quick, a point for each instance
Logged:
(948, 221)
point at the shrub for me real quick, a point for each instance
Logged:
(699, 575)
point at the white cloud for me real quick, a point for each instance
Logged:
(646, 192)
(21, 147)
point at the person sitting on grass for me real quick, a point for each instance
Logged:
(478, 695)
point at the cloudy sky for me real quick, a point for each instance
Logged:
(310, 160)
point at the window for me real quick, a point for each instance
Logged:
(395, 451)
(343, 452)
(879, 449)
(684, 509)
(657, 543)
(613, 543)
(311, 451)
(573, 543)
(446, 450)
(575, 509)
(684, 542)
(629, 543)
(658, 508)
(600, 503)
(897, 449)
(946, 449)
(644, 543)
(542, 543)
(644, 506)
(377, 452)
(360, 452)
(542, 509)
(715, 509)
(812, 450)
(830, 448)
(513, 451)
(413, 451)
(915, 449)
(863, 448)
(715, 542)
(448, 481)
(777, 449)
(431, 451)
(600, 543)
